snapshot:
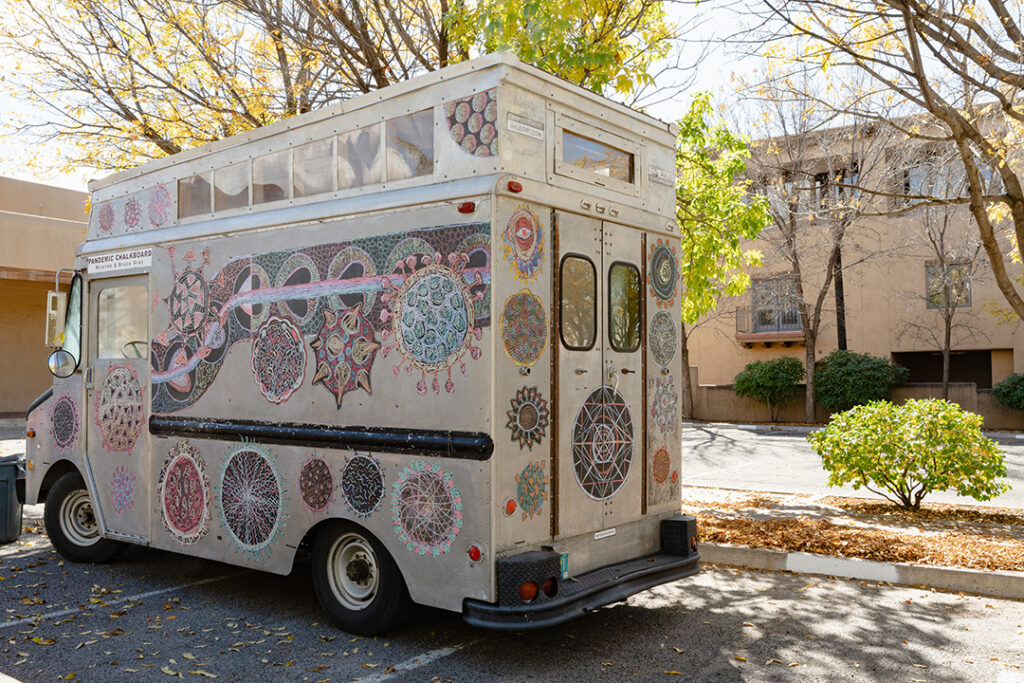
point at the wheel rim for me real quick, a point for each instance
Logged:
(354, 571)
(78, 520)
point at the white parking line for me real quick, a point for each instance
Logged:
(419, 661)
(127, 598)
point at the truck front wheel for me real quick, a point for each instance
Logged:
(357, 582)
(71, 522)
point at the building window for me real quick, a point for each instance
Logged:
(775, 306)
(954, 278)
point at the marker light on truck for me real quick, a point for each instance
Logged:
(30, 434)
(528, 591)
(467, 207)
(474, 553)
(513, 186)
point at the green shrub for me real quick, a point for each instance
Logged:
(904, 452)
(844, 379)
(772, 382)
(1010, 392)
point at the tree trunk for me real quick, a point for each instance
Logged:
(809, 369)
(945, 357)
(685, 383)
(840, 301)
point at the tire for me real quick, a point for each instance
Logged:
(357, 582)
(71, 523)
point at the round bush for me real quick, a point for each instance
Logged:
(904, 452)
(1010, 392)
(772, 382)
(844, 379)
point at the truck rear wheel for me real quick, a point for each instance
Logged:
(71, 522)
(357, 582)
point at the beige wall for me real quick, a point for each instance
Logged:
(40, 228)
(884, 294)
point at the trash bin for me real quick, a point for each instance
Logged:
(10, 508)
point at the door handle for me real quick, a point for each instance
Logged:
(626, 371)
(580, 371)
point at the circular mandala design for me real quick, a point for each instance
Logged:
(122, 490)
(132, 214)
(344, 350)
(426, 507)
(64, 423)
(189, 302)
(159, 206)
(528, 417)
(532, 488)
(316, 484)
(664, 272)
(660, 465)
(119, 409)
(602, 443)
(524, 328)
(523, 244)
(663, 338)
(106, 218)
(183, 485)
(251, 499)
(434, 317)
(362, 484)
(278, 359)
(663, 404)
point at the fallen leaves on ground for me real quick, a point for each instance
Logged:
(822, 537)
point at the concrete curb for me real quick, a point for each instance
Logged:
(992, 583)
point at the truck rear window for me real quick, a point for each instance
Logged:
(597, 157)
(578, 312)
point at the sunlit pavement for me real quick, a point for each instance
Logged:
(726, 457)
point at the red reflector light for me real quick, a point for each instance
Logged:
(467, 207)
(513, 186)
(474, 553)
(528, 591)
(550, 587)
(510, 507)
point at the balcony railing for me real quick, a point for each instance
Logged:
(768, 321)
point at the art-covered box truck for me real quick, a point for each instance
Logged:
(429, 333)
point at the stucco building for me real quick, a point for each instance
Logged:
(891, 294)
(40, 227)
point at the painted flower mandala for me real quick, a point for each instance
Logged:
(106, 217)
(532, 488)
(132, 214)
(316, 484)
(524, 327)
(184, 498)
(122, 490)
(64, 425)
(119, 409)
(362, 484)
(663, 404)
(663, 338)
(602, 443)
(528, 417)
(663, 273)
(661, 464)
(251, 500)
(426, 507)
(344, 349)
(159, 206)
(278, 359)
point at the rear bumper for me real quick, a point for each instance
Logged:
(587, 592)
(580, 594)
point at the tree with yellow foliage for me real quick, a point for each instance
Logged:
(118, 82)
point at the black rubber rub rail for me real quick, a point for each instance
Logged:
(438, 443)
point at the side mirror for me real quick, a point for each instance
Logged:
(61, 363)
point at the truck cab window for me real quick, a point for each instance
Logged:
(624, 307)
(122, 323)
(578, 306)
(73, 320)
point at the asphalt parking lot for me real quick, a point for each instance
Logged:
(155, 615)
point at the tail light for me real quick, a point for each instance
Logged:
(550, 587)
(528, 591)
